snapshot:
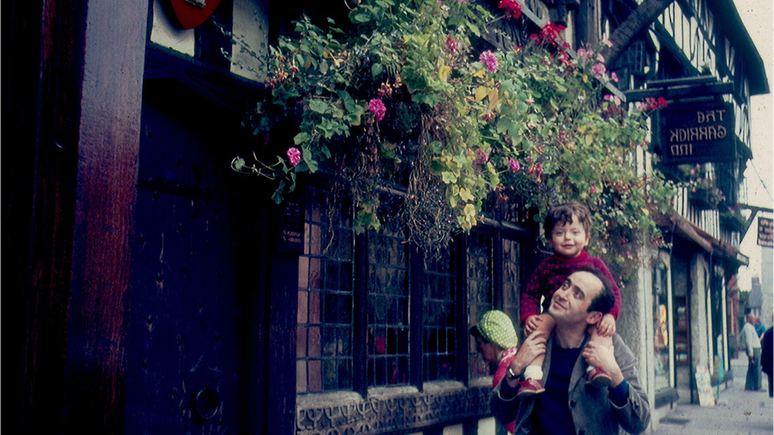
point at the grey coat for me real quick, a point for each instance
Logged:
(592, 411)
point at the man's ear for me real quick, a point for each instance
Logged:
(594, 317)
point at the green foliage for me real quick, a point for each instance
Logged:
(530, 124)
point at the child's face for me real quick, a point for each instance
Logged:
(568, 240)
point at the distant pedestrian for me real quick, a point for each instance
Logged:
(767, 359)
(749, 341)
(496, 341)
(760, 328)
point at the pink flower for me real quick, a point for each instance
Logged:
(489, 60)
(593, 189)
(512, 8)
(515, 166)
(294, 156)
(481, 157)
(536, 169)
(376, 106)
(452, 45)
(613, 98)
(614, 76)
(598, 70)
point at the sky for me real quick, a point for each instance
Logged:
(758, 18)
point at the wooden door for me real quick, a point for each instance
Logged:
(192, 317)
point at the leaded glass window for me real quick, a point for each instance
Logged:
(388, 307)
(480, 293)
(325, 296)
(439, 341)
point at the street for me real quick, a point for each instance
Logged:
(736, 412)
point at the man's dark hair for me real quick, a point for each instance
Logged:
(563, 213)
(605, 300)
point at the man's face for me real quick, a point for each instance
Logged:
(571, 301)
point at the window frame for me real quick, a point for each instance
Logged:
(499, 231)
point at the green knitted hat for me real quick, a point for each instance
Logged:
(496, 327)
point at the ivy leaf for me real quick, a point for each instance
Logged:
(589, 139)
(318, 106)
(277, 195)
(301, 138)
(376, 69)
(481, 93)
(494, 98)
(349, 102)
(361, 18)
(443, 73)
(465, 195)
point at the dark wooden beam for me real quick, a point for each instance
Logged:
(107, 56)
(688, 91)
(639, 20)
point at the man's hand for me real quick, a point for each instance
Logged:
(606, 326)
(534, 346)
(531, 324)
(603, 357)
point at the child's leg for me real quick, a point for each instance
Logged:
(595, 375)
(535, 369)
(533, 374)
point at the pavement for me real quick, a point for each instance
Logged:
(737, 412)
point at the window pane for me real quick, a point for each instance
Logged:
(438, 343)
(480, 294)
(325, 297)
(388, 299)
(661, 327)
(512, 280)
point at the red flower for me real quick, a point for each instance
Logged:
(512, 8)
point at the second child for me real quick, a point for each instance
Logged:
(567, 228)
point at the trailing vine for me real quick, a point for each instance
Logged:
(406, 98)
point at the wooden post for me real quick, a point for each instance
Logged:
(109, 39)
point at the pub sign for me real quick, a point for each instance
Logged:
(697, 133)
(766, 232)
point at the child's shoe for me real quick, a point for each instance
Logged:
(529, 387)
(598, 378)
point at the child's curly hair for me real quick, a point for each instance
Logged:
(563, 213)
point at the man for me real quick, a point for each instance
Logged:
(569, 405)
(767, 358)
(751, 344)
(496, 341)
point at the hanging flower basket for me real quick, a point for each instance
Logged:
(705, 198)
(733, 221)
